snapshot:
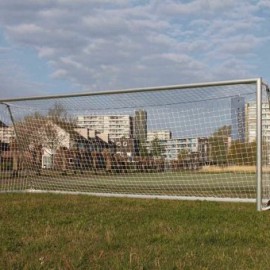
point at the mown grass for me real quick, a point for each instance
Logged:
(226, 184)
(46, 231)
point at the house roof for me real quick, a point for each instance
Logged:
(2, 124)
(11, 154)
(70, 128)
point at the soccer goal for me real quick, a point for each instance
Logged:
(204, 141)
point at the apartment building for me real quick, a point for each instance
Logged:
(116, 126)
(159, 134)
(6, 133)
(172, 147)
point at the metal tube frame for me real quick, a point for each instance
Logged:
(137, 90)
(259, 145)
(257, 81)
(12, 120)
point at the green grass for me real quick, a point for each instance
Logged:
(167, 183)
(46, 231)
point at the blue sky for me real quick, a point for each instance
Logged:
(63, 46)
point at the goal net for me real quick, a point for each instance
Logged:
(197, 141)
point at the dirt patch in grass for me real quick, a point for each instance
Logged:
(232, 169)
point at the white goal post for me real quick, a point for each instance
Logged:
(203, 141)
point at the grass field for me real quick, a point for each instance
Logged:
(222, 184)
(46, 231)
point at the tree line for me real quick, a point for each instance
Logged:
(223, 151)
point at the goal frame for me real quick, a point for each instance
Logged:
(256, 81)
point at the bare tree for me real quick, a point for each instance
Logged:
(58, 114)
(52, 137)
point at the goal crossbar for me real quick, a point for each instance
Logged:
(137, 90)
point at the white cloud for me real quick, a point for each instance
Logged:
(264, 4)
(60, 73)
(25, 29)
(198, 7)
(228, 68)
(105, 44)
(46, 52)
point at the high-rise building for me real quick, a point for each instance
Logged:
(251, 112)
(238, 118)
(140, 125)
(251, 122)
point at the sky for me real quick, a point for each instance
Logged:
(52, 47)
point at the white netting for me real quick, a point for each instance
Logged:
(196, 142)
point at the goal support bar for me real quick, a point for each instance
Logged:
(259, 145)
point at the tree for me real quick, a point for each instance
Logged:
(27, 131)
(37, 131)
(51, 137)
(156, 148)
(224, 131)
(243, 153)
(143, 152)
(218, 150)
(58, 113)
(219, 145)
(183, 155)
